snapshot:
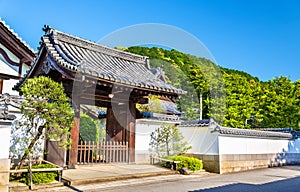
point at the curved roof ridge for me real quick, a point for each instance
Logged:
(65, 37)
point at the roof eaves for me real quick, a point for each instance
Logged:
(17, 36)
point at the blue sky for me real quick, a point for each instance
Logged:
(260, 37)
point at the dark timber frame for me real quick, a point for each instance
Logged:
(96, 75)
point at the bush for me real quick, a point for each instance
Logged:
(89, 130)
(191, 163)
(39, 177)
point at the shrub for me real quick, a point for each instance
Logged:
(39, 177)
(89, 130)
(191, 163)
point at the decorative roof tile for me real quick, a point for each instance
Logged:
(197, 123)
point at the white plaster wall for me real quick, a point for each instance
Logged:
(8, 85)
(244, 145)
(144, 128)
(4, 141)
(201, 139)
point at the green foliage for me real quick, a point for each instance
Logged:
(47, 113)
(39, 177)
(153, 105)
(279, 103)
(89, 130)
(167, 140)
(234, 99)
(191, 163)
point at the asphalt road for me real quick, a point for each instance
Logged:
(281, 179)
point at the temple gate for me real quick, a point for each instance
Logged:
(97, 75)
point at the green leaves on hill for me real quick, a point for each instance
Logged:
(279, 103)
(233, 98)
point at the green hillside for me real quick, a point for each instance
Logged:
(232, 97)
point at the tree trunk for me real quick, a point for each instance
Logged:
(33, 141)
(201, 106)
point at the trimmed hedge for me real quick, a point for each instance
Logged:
(191, 163)
(39, 177)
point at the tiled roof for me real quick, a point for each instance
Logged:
(16, 36)
(252, 133)
(197, 123)
(91, 59)
(267, 133)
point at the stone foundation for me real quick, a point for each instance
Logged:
(4, 174)
(142, 158)
(211, 163)
(242, 162)
(227, 163)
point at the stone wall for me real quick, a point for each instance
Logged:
(227, 163)
(4, 174)
(243, 162)
(211, 163)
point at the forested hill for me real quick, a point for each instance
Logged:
(247, 102)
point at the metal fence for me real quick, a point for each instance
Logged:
(90, 152)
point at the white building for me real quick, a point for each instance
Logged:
(15, 59)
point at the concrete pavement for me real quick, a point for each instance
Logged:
(97, 173)
(280, 179)
(110, 172)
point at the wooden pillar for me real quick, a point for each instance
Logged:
(73, 152)
(131, 122)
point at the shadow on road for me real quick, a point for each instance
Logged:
(291, 185)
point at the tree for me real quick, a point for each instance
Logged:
(47, 113)
(89, 130)
(153, 105)
(280, 103)
(244, 102)
(167, 140)
(197, 78)
(240, 101)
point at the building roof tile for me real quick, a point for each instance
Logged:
(78, 55)
(267, 133)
